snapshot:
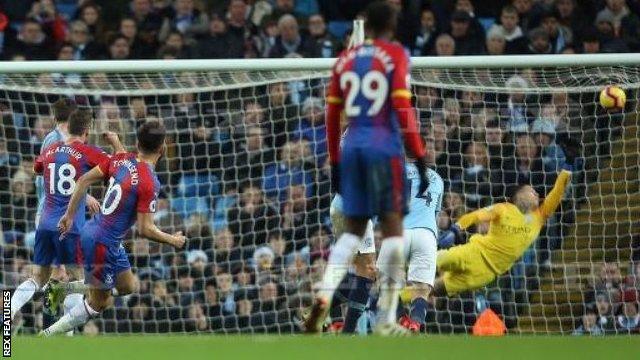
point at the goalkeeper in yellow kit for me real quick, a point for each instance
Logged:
(513, 226)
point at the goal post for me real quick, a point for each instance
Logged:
(245, 177)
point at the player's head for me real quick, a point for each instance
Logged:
(380, 20)
(151, 137)
(80, 123)
(62, 109)
(525, 197)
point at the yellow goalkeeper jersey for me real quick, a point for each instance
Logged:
(510, 231)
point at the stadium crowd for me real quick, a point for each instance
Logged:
(246, 174)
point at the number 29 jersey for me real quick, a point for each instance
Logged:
(61, 166)
(364, 80)
(132, 188)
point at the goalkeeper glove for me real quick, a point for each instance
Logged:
(421, 164)
(335, 178)
(449, 237)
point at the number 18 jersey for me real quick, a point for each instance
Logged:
(132, 188)
(61, 166)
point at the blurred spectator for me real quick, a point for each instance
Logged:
(559, 35)
(53, 24)
(249, 159)
(312, 128)
(604, 312)
(300, 214)
(119, 48)
(426, 37)
(590, 41)
(615, 10)
(539, 42)
(148, 21)
(496, 42)
(291, 42)
(553, 156)
(227, 253)
(607, 34)
(628, 320)
(239, 30)
(466, 41)
(32, 42)
(474, 181)
(517, 113)
(589, 325)
(18, 205)
(515, 40)
(224, 283)
(291, 169)
(218, 43)
(83, 47)
(129, 29)
(445, 45)
(91, 14)
(327, 44)
(186, 19)
(252, 219)
(570, 16)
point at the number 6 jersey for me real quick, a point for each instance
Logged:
(132, 188)
(61, 166)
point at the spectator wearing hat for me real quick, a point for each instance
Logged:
(539, 42)
(610, 42)
(544, 133)
(615, 10)
(628, 320)
(291, 42)
(589, 324)
(516, 42)
(559, 35)
(467, 43)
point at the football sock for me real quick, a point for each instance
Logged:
(391, 265)
(419, 310)
(358, 298)
(340, 258)
(24, 292)
(77, 316)
(71, 301)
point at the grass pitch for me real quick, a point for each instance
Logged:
(326, 348)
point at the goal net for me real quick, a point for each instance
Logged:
(245, 176)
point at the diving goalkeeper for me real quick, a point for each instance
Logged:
(513, 226)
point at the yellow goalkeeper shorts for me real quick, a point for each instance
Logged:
(462, 269)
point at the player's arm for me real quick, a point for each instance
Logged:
(453, 235)
(552, 200)
(113, 140)
(401, 103)
(38, 165)
(82, 185)
(334, 106)
(148, 229)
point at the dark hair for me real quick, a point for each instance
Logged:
(151, 136)
(380, 17)
(115, 38)
(63, 108)
(80, 122)
(513, 190)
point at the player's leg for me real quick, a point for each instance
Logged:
(391, 266)
(421, 274)
(71, 290)
(44, 256)
(340, 258)
(97, 300)
(363, 279)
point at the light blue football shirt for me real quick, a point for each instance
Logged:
(424, 209)
(52, 137)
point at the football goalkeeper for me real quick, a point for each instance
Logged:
(513, 226)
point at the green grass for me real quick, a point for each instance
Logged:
(326, 348)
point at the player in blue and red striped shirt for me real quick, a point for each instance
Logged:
(370, 83)
(61, 164)
(131, 196)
